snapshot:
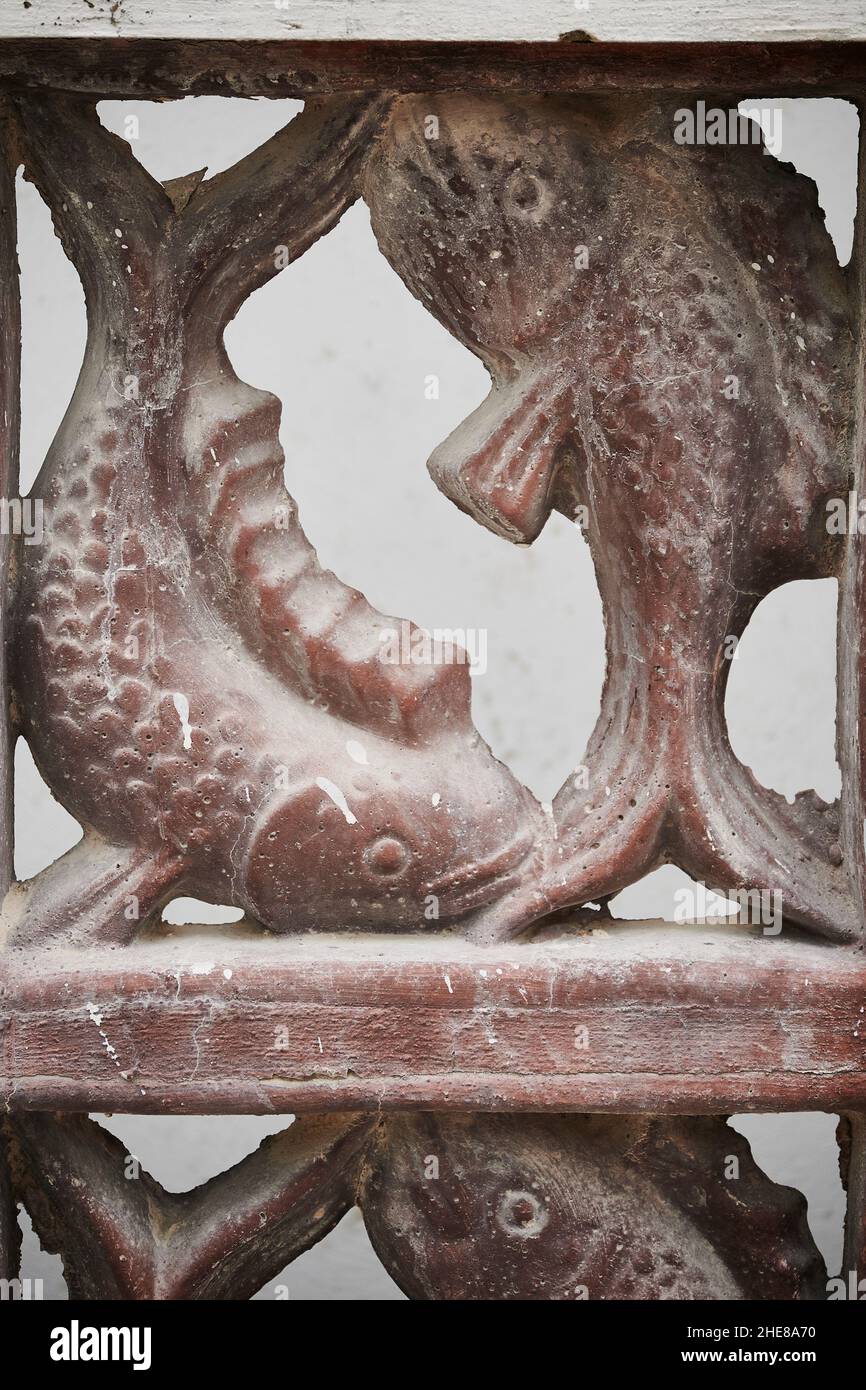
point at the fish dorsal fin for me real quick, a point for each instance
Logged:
(318, 634)
(375, 671)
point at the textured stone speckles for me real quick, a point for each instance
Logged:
(178, 571)
(604, 276)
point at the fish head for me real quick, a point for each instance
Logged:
(408, 840)
(483, 206)
(571, 1207)
(607, 276)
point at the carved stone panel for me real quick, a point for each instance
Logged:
(675, 359)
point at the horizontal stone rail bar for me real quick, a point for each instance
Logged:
(645, 1017)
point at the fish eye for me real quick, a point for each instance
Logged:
(523, 192)
(387, 856)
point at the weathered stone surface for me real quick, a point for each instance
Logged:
(457, 1207)
(583, 1207)
(122, 1235)
(672, 347)
(209, 702)
(670, 342)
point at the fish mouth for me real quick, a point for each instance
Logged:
(479, 882)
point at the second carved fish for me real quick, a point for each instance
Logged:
(669, 337)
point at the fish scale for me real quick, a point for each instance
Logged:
(191, 679)
(613, 283)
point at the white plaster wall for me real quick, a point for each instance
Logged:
(339, 339)
(612, 20)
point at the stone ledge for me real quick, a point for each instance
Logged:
(677, 1019)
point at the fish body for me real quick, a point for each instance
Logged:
(669, 337)
(195, 688)
(582, 1208)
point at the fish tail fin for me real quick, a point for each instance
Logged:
(737, 835)
(246, 224)
(661, 784)
(110, 214)
(610, 814)
(95, 893)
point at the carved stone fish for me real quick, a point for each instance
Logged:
(196, 689)
(669, 338)
(125, 1238)
(583, 1207)
(571, 1207)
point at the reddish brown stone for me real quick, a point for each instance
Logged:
(122, 1235)
(190, 681)
(671, 345)
(583, 1208)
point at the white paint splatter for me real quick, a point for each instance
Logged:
(181, 704)
(356, 751)
(436, 798)
(489, 1032)
(96, 1019)
(333, 791)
